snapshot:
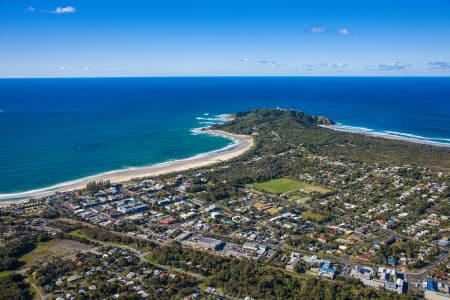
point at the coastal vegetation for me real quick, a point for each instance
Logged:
(14, 287)
(14, 249)
(95, 186)
(277, 130)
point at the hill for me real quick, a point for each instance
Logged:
(277, 130)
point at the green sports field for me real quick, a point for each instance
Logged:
(286, 185)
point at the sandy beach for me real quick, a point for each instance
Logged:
(386, 136)
(242, 144)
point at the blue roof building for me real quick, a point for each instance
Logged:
(432, 285)
(392, 261)
(327, 270)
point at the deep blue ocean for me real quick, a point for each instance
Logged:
(57, 130)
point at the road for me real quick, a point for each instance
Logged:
(411, 276)
(37, 289)
(421, 275)
(139, 254)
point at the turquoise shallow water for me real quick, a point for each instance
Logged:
(57, 130)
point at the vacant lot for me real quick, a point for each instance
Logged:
(287, 185)
(309, 215)
(259, 205)
(53, 248)
(273, 210)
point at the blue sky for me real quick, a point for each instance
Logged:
(43, 38)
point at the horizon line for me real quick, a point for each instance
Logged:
(221, 75)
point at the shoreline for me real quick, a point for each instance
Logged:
(384, 135)
(242, 144)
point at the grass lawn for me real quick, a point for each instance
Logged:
(311, 273)
(278, 186)
(286, 185)
(295, 197)
(6, 273)
(315, 188)
(299, 198)
(53, 248)
(78, 233)
(309, 215)
(304, 199)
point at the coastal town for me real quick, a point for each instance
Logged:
(381, 226)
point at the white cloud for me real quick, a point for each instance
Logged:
(58, 11)
(439, 65)
(65, 10)
(320, 29)
(339, 65)
(267, 62)
(273, 63)
(30, 9)
(316, 29)
(393, 66)
(325, 66)
(89, 69)
(343, 31)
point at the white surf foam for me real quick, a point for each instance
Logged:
(393, 135)
(194, 131)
